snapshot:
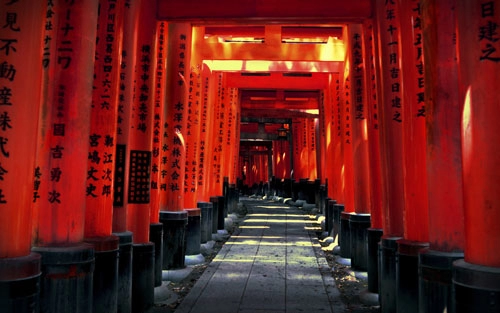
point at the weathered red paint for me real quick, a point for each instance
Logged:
(63, 140)
(443, 114)
(416, 215)
(20, 89)
(479, 73)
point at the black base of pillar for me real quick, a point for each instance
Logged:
(20, 284)
(337, 211)
(215, 213)
(476, 288)
(345, 235)
(125, 272)
(359, 223)
(222, 212)
(206, 221)
(434, 280)
(174, 239)
(387, 272)
(67, 275)
(374, 235)
(105, 285)
(143, 271)
(193, 231)
(156, 237)
(407, 275)
(329, 217)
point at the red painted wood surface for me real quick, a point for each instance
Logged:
(373, 105)
(416, 218)
(346, 172)
(178, 60)
(443, 115)
(193, 104)
(104, 113)
(63, 140)
(391, 119)
(20, 94)
(337, 158)
(205, 136)
(125, 99)
(359, 119)
(171, 9)
(157, 185)
(480, 67)
(139, 149)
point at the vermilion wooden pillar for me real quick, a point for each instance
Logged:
(360, 221)
(312, 149)
(172, 214)
(391, 129)
(20, 93)
(139, 152)
(444, 155)
(205, 136)
(218, 136)
(324, 137)
(346, 170)
(100, 170)
(372, 75)
(120, 181)
(61, 166)
(416, 217)
(476, 280)
(193, 124)
(336, 141)
(155, 227)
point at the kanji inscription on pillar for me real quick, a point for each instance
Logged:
(139, 177)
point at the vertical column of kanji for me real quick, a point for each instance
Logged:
(205, 137)
(67, 263)
(139, 152)
(155, 227)
(236, 132)
(416, 218)
(444, 155)
(193, 122)
(324, 126)
(375, 230)
(476, 279)
(217, 138)
(232, 143)
(391, 110)
(120, 183)
(99, 202)
(346, 171)
(336, 133)
(172, 214)
(359, 222)
(312, 149)
(20, 74)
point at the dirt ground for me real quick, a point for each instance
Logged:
(349, 286)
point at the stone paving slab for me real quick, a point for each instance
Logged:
(270, 266)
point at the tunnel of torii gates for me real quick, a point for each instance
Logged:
(123, 122)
